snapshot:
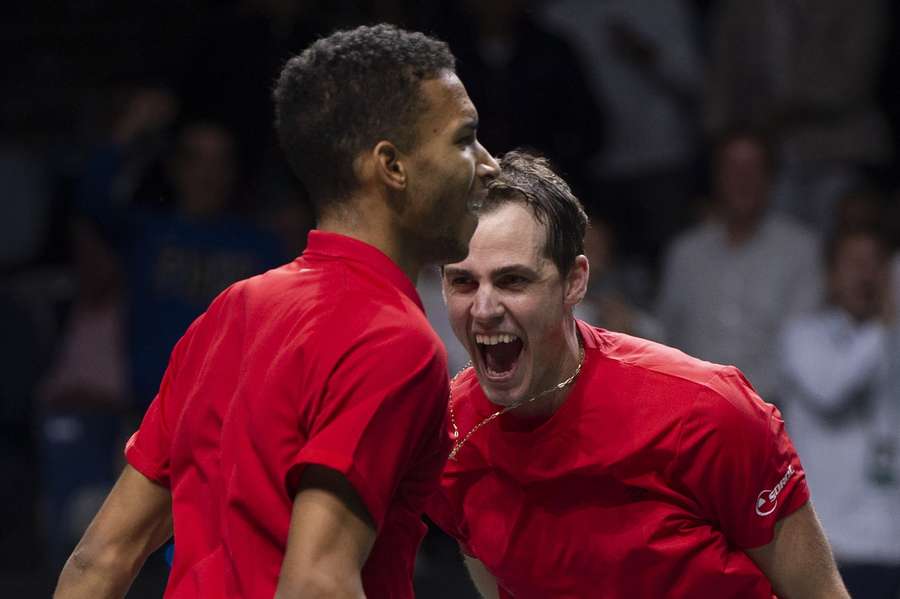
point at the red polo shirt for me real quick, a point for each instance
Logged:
(647, 482)
(327, 360)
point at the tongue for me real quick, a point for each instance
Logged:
(502, 357)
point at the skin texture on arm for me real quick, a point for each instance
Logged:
(798, 561)
(134, 521)
(484, 580)
(330, 537)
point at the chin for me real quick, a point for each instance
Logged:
(501, 399)
(502, 394)
(455, 249)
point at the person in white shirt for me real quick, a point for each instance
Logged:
(730, 283)
(842, 409)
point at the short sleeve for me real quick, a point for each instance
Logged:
(148, 450)
(383, 410)
(736, 460)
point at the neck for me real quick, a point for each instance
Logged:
(374, 228)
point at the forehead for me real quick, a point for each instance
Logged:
(446, 103)
(507, 236)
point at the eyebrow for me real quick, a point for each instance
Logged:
(450, 271)
(514, 269)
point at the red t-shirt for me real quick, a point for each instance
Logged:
(327, 360)
(647, 482)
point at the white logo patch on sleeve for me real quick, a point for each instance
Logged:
(767, 501)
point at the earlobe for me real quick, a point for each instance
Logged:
(390, 165)
(577, 280)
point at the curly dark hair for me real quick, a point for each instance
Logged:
(346, 92)
(530, 178)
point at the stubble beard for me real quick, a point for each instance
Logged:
(447, 240)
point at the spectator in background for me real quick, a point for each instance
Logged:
(83, 395)
(858, 210)
(842, 406)
(25, 226)
(176, 260)
(526, 81)
(729, 283)
(808, 72)
(646, 72)
(179, 262)
(618, 290)
(235, 53)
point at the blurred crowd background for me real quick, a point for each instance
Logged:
(739, 161)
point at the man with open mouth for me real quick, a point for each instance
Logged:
(588, 463)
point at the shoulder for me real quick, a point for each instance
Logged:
(712, 392)
(729, 404)
(793, 233)
(336, 308)
(809, 322)
(653, 358)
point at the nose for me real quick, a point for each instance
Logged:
(486, 309)
(487, 166)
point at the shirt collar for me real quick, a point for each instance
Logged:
(335, 245)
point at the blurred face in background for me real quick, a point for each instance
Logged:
(858, 276)
(743, 180)
(203, 169)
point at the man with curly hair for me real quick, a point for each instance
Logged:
(297, 430)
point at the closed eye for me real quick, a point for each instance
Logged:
(512, 281)
(461, 283)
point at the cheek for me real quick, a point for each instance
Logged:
(461, 167)
(457, 313)
(542, 319)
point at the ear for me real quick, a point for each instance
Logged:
(577, 281)
(390, 166)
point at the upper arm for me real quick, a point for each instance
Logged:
(798, 561)
(330, 537)
(737, 462)
(134, 521)
(483, 579)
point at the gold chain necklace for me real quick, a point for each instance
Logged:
(455, 434)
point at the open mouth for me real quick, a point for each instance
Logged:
(499, 354)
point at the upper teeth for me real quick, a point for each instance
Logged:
(495, 339)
